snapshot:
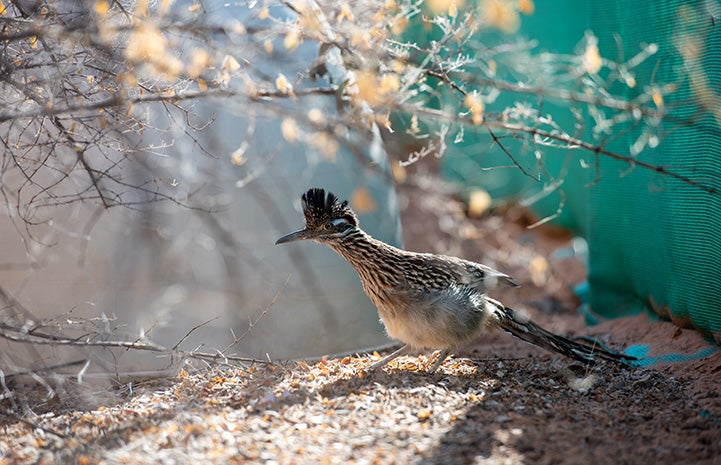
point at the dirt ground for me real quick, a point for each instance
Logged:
(498, 402)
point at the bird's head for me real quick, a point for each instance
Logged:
(326, 218)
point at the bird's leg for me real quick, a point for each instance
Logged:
(441, 357)
(390, 357)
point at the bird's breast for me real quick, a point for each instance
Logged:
(430, 319)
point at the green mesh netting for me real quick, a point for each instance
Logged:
(654, 242)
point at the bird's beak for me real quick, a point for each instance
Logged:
(300, 235)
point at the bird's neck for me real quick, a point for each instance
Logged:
(372, 259)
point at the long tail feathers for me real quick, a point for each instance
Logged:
(530, 332)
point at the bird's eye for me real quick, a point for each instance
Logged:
(328, 226)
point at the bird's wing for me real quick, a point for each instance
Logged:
(484, 277)
(426, 271)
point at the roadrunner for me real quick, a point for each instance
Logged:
(425, 300)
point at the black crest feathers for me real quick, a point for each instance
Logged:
(319, 207)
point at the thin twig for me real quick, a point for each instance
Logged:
(252, 324)
(175, 347)
(566, 139)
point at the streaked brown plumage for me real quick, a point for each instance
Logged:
(427, 301)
